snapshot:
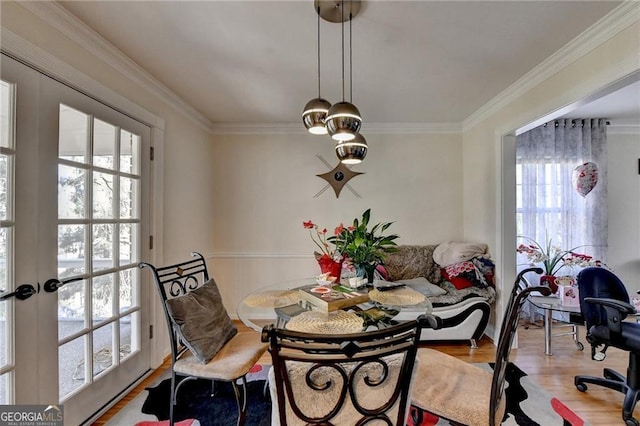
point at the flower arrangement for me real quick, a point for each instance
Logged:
(362, 245)
(319, 238)
(553, 258)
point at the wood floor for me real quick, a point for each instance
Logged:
(597, 406)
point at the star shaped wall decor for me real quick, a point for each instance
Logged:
(338, 177)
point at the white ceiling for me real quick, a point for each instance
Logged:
(241, 62)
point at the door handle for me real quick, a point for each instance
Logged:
(53, 284)
(23, 292)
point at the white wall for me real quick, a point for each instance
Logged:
(264, 188)
(486, 153)
(624, 207)
(184, 163)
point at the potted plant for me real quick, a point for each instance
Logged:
(365, 247)
(553, 258)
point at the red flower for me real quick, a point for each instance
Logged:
(338, 229)
(308, 225)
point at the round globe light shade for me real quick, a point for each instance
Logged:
(352, 152)
(314, 114)
(343, 121)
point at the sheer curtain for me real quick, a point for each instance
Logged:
(548, 206)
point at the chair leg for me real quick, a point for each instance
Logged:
(613, 382)
(172, 401)
(613, 375)
(241, 399)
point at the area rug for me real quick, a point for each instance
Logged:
(527, 403)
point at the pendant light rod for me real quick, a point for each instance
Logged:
(342, 10)
(318, 51)
(350, 59)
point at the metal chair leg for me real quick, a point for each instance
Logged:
(241, 399)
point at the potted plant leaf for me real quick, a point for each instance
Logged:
(365, 247)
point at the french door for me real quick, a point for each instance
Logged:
(73, 214)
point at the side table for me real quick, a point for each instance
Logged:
(549, 304)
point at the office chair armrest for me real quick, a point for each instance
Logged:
(619, 305)
(430, 321)
(615, 309)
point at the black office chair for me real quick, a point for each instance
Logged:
(604, 303)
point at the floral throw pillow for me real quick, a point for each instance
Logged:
(476, 272)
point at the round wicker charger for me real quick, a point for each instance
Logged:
(403, 296)
(272, 299)
(337, 322)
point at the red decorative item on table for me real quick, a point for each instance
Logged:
(329, 265)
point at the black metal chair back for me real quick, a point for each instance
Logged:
(175, 281)
(517, 298)
(308, 366)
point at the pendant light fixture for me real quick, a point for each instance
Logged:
(343, 119)
(315, 111)
(355, 150)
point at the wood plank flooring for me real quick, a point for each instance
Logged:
(597, 406)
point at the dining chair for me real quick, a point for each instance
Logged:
(205, 343)
(343, 379)
(464, 393)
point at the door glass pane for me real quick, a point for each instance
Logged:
(129, 152)
(128, 195)
(71, 192)
(71, 366)
(74, 134)
(128, 248)
(129, 341)
(103, 246)
(103, 289)
(102, 195)
(71, 250)
(5, 380)
(71, 308)
(104, 144)
(126, 289)
(102, 349)
(6, 114)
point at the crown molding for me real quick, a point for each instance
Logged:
(606, 28)
(624, 127)
(369, 128)
(26, 52)
(59, 18)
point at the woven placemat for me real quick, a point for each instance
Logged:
(272, 298)
(403, 296)
(330, 323)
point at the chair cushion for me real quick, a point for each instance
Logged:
(630, 336)
(201, 321)
(234, 360)
(453, 389)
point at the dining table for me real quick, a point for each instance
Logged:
(287, 304)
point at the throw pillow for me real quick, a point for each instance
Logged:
(201, 320)
(423, 285)
(459, 282)
(451, 252)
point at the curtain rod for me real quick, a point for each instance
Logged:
(575, 120)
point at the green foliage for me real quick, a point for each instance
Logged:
(362, 245)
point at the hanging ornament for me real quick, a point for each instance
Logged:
(585, 178)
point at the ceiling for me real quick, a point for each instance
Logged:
(255, 62)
